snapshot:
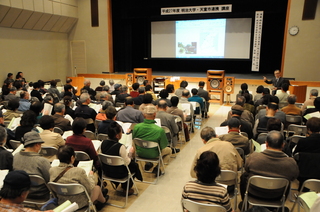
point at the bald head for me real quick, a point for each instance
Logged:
(275, 140)
(162, 105)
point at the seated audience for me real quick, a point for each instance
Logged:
(134, 93)
(105, 124)
(234, 136)
(245, 126)
(196, 98)
(54, 91)
(204, 94)
(11, 112)
(113, 147)
(6, 157)
(170, 89)
(116, 90)
(24, 103)
(111, 83)
(147, 130)
(27, 122)
(205, 189)
(259, 91)
(129, 114)
(80, 143)
(291, 108)
(163, 96)
(102, 113)
(42, 90)
(72, 174)
(67, 101)
(272, 162)
(89, 90)
(101, 84)
(313, 111)
(261, 123)
(58, 117)
(30, 161)
(309, 102)
(184, 100)
(35, 92)
(147, 101)
(183, 85)
(51, 139)
(265, 92)
(228, 155)
(9, 79)
(168, 120)
(84, 111)
(37, 108)
(139, 99)
(283, 95)
(311, 143)
(6, 89)
(16, 186)
(278, 114)
(123, 94)
(248, 105)
(244, 90)
(245, 115)
(149, 90)
(174, 110)
(12, 94)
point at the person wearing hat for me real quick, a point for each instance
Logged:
(245, 126)
(147, 130)
(15, 190)
(116, 90)
(246, 114)
(11, 94)
(30, 161)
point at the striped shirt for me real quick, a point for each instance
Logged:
(207, 194)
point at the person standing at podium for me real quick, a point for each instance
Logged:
(276, 82)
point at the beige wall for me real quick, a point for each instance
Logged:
(302, 60)
(39, 55)
(96, 38)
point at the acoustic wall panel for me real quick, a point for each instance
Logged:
(10, 17)
(59, 24)
(51, 22)
(31, 22)
(42, 21)
(22, 19)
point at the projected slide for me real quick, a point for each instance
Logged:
(200, 38)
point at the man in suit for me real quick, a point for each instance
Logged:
(276, 82)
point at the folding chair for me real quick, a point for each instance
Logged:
(198, 117)
(48, 151)
(90, 134)
(71, 190)
(96, 124)
(14, 144)
(82, 156)
(265, 183)
(294, 119)
(37, 181)
(192, 206)
(111, 160)
(102, 137)
(57, 130)
(181, 132)
(168, 134)
(149, 145)
(313, 185)
(243, 156)
(298, 129)
(229, 178)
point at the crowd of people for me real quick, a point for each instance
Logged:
(251, 116)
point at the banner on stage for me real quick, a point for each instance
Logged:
(196, 9)
(257, 41)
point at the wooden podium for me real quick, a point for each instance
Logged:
(300, 91)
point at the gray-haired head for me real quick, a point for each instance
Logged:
(141, 90)
(111, 82)
(103, 94)
(275, 139)
(59, 107)
(3, 135)
(314, 92)
(207, 133)
(84, 97)
(106, 104)
(124, 88)
(292, 99)
(86, 82)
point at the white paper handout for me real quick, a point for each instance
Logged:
(14, 123)
(47, 109)
(221, 130)
(96, 144)
(86, 165)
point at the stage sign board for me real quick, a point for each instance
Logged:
(197, 9)
(257, 41)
